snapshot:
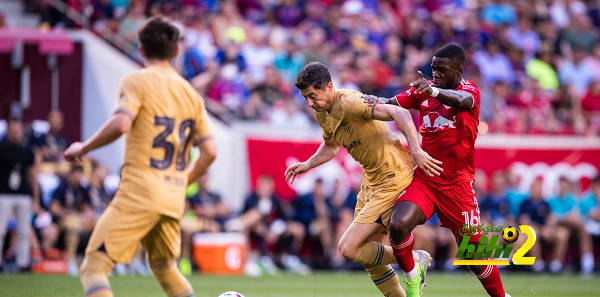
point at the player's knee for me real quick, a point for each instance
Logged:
(400, 227)
(96, 262)
(347, 251)
(477, 269)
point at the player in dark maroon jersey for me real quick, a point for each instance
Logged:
(449, 108)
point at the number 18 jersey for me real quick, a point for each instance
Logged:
(168, 117)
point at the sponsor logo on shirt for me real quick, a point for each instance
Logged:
(352, 144)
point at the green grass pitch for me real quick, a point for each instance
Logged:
(319, 284)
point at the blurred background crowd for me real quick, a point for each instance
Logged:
(535, 61)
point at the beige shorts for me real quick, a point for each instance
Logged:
(118, 232)
(374, 205)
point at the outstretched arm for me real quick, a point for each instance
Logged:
(113, 128)
(328, 149)
(405, 123)
(460, 99)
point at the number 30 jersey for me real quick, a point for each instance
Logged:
(168, 117)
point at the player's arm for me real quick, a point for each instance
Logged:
(327, 150)
(208, 154)
(118, 124)
(404, 121)
(461, 99)
(372, 100)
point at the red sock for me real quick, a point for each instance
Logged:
(403, 253)
(490, 279)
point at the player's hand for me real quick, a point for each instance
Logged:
(75, 152)
(371, 99)
(428, 164)
(422, 85)
(292, 171)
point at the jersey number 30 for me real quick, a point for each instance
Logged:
(186, 129)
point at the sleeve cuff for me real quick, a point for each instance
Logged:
(202, 139)
(125, 111)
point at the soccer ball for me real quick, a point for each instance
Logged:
(510, 234)
(231, 294)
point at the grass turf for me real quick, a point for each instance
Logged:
(319, 284)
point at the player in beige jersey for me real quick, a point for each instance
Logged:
(388, 167)
(163, 116)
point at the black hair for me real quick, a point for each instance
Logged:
(314, 74)
(159, 38)
(452, 51)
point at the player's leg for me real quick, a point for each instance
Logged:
(457, 206)
(163, 245)
(113, 240)
(413, 207)
(23, 214)
(371, 216)
(384, 276)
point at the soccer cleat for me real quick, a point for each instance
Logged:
(506, 295)
(425, 259)
(415, 286)
(185, 266)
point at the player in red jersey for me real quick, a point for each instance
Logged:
(449, 107)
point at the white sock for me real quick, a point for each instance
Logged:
(411, 274)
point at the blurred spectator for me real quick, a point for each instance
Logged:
(72, 213)
(494, 207)
(535, 212)
(524, 37)
(590, 205)
(288, 113)
(342, 206)
(205, 212)
(565, 208)
(576, 71)
(499, 12)
(267, 223)
(19, 193)
(591, 100)
(289, 61)
(54, 144)
(99, 196)
(493, 64)
(541, 69)
(133, 20)
(313, 211)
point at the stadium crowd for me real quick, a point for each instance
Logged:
(534, 61)
(297, 235)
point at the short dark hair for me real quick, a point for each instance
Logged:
(314, 74)
(159, 38)
(452, 51)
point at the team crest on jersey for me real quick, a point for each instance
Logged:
(346, 127)
(433, 121)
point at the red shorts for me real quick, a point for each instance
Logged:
(455, 205)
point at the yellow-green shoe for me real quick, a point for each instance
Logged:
(413, 286)
(185, 266)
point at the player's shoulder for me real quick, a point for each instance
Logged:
(467, 85)
(349, 97)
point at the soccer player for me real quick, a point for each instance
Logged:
(388, 167)
(449, 107)
(163, 116)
